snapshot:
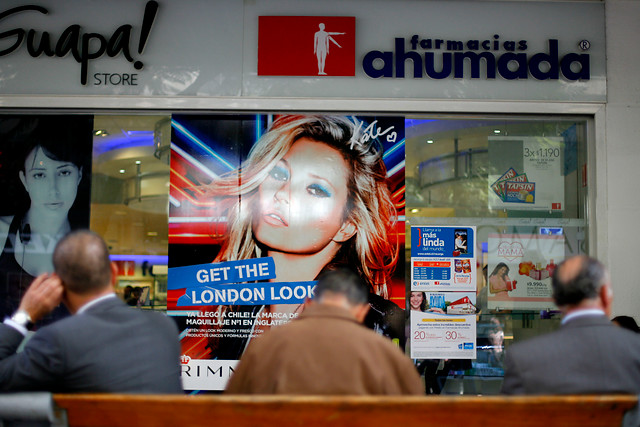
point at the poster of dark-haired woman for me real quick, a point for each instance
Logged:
(45, 171)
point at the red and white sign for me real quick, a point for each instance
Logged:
(306, 45)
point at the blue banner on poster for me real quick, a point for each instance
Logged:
(248, 294)
(445, 242)
(245, 270)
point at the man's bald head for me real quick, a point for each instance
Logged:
(577, 279)
(81, 260)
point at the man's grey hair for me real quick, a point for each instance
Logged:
(344, 282)
(571, 288)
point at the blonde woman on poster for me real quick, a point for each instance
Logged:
(313, 196)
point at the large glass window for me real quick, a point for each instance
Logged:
(521, 182)
(512, 189)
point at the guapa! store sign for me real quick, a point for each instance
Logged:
(83, 46)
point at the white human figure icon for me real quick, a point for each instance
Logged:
(321, 46)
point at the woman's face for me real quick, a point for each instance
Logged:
(416, 300)
(52, 185)
(301, 203)
(502, 272)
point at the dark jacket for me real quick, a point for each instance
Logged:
(588, 354)
(108, 348)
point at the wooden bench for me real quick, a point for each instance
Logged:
(108, 410)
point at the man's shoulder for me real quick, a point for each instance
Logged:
(149, 316)
(599, 326)
(82, 331)
(626, 337)
(159, 317)
(112, 309)
(63, 324)
(111, 305)
(533, 345)
(577, 332)
(319, 322)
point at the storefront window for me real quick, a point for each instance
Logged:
(512, 190)
(130, 199)
(520, 182)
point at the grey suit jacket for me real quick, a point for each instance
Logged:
(108, 348)
(588, 354)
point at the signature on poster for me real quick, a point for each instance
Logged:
(372, 132)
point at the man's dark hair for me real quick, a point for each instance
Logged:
(81, 259)
(345, 282)
(574, 288)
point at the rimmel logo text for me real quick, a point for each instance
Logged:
(84, 46)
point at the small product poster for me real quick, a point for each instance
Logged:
(520, 267)
(443, 258)
(526, 173)
(444, 325)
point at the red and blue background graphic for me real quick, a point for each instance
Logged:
(285, 45)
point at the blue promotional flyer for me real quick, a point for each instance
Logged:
(443, 258)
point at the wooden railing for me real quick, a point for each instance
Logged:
(113, 410)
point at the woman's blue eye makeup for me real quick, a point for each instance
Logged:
(318, 190)
(279, 173)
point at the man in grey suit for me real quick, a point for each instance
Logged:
(105, 346)
(588, 354)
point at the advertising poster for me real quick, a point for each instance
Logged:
(526, 173)
(259, 207)
(443, 326)
(45, 176)
(443, 258)
(520, 267)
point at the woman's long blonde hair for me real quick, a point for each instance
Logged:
(370, 251)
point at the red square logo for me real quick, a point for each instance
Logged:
(556, 206)
(306, 46)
